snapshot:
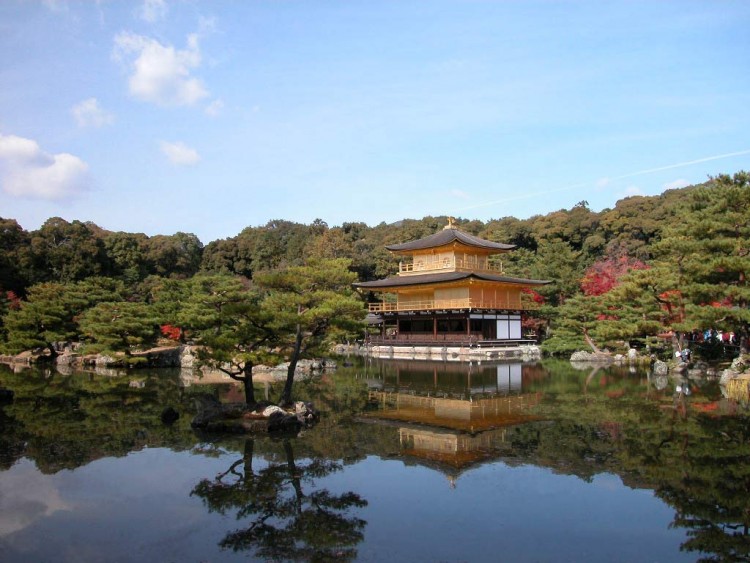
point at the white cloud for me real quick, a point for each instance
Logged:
(27, 171)
(89, 113)
(27, 496)
(215, 108)
(160, 73)
(179, 153)
(602, 182)
(460, 194)
(152, 11)
(681, 183)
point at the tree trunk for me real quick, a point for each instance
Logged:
(590, 342)
(247, 382)
(294, 474)
(247, 456)
(590, 378)
(52, 352)
(286, 395)
(677, 343)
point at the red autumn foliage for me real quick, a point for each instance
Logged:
(14, 302)
(705, 407)
(672, 303)
(612, 316)
(533, 325)
(535, 297)
(603, 275)
(603, 317)
(171, 332)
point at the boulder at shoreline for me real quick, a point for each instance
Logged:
(239, 418)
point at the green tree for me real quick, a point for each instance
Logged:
(281, 243)
(66, 252)
(227, 256)
(557, 261)
(310, 306)
(510, 230)
(41, 320)
(15, 259)
(178, 255)
(51, 310)
(572, 226)
(126, 255)
(87, 293)
(224, 314)
(332, 243)
(277, 244)
(699, 277)
(119, 327)
(168, 296)
(573, 325)
(716, 266)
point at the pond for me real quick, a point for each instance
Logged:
(411, 461)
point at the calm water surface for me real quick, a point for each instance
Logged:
(411, 462)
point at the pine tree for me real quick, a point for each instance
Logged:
(51, 310)
(114, 327)
(709, 254)
(224, 314)
(310, 306)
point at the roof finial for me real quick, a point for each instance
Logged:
(451, 224)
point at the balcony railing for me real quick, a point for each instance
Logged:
(426, 338)
(444, 304)
(454, 264)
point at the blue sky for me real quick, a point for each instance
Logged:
(161, 116)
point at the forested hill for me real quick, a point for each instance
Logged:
(676, 263)
(559, 245)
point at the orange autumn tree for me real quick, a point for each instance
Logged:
(601, 315)
(605, 274)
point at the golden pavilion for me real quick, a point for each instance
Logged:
(450, 290)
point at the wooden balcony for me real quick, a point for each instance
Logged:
(426, 338)
(469, 264)
(450, 304)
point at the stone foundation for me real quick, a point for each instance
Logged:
(453, 353)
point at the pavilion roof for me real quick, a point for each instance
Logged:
(448, 236)
(445, 277)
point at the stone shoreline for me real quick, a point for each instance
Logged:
(182, 357)
(444, 353)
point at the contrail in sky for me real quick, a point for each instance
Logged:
(623, 176)
(688, 163)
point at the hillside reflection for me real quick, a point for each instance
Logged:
(690, 449)
(678, 437)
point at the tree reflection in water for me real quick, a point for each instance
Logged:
(692, 450)
(711, 494)
(283, 521)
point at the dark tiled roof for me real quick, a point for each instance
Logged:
(405, 281)
(447, 236)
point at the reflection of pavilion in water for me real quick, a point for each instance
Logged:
(452, 415)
